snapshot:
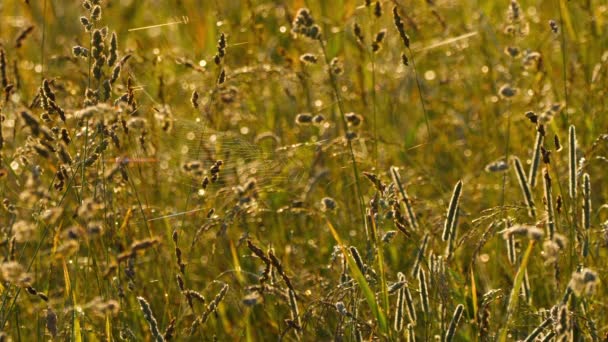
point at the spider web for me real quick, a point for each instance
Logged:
(274, 168)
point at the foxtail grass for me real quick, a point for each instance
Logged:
(586, 214)
(525, 187)
(450, 222)
(149, 316)
(420, 254)
(535, 159)
(454, 323)
(404, 197)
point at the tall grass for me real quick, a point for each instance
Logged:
(302, 170)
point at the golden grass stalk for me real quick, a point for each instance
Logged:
(534, 334)
(572, 180)
(449, 336)
(586, 217)
(525, 187)
(515, 291)
(450, 221)
(406, 200)
(420, 254)
(149, 316)
(535, 159)
(549, 204)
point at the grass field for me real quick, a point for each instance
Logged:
(303, 170)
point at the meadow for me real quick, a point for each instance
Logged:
(299, 170)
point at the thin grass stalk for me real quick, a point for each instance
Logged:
(432, 268)
(105, 192)
(380, 254)
(374, 95)
(293, 305)
(514, 297)
(441, 309)
(572, 189)
(525, 289)
(406, 43)
(400, 306)
(454, 323)
(590, 323)
(511, 251)
(140, 206)
(424, 292)
(357, 257)
(572, 184)
(421, 94)
(374, 112)
(535, 159)
(539, 329)
(474, 299)
(355, 330)
(189, 197)
(564, 63)
(567, 294)
(452, 239)
(451, 214)
(86, 131)
(504, 175)
(334, 84)
(420, 254)
(411, 334)
(409, 303)
(406, 200)
(571, 219)
(548, 337)
(549, 204)
(586, 217)
(211, 308)
(43, 40)
(525, 187)
(85, 156)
